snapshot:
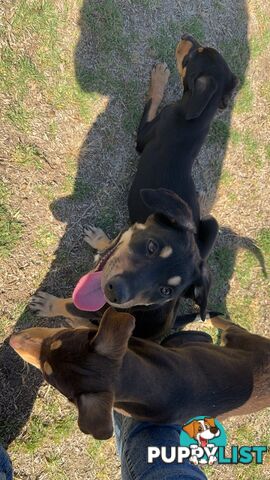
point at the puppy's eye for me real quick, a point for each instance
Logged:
(151, 247)
(165, 291)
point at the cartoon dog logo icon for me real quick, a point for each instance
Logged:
(203, 431)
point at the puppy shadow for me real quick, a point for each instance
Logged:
(119, 42)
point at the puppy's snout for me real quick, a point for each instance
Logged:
(186, 36)
(116, 290)
(189, 38)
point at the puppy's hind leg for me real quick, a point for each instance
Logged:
(234, 336)
(159, 79)
(221, 323)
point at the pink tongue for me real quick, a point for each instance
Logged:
(88, 294)
(203, 442)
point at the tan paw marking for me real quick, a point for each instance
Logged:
(43, 304)
(166, 252)
(159, 79)
(96, 238)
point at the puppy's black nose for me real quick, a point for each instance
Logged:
(213, 430)
(190, 38)
(116, 290)
(187, 36)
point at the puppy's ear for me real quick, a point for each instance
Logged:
(169, 205)
(113, 334)
(201, 290)
(210, 421)
(207, 234)
(203, 90)
(95, 414)
(190, 429)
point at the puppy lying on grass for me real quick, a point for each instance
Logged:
(102, 368)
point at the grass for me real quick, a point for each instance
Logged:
(195, 26)
(54, 467)
(221, 262)
(28, 155)
(250, 145)
(245, 269)
(245, 99)
(263, 239)
(45, 238)
(106, 23)
(164, 44)
(49, 110)
(11, 228)
(40, 432)
(236, 53)
(219, 133)
(226, 178)
(19, 116)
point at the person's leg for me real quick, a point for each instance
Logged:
(132, 440)
(5, 465)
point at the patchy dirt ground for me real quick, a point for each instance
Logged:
(73, 77)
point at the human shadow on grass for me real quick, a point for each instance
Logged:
(119, 42)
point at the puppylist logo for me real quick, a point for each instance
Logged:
(202, 442)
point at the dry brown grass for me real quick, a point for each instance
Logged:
(67, 158)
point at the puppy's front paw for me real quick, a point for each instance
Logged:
(212, 460)
(96, 238)
(43, 304)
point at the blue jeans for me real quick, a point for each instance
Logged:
(132, 440)
(5, 465)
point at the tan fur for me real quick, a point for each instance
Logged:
(182, 50)
(166, 252)
(55, 345)
(159, 78)
(174, 281)
(47, 368)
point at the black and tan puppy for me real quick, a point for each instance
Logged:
(99, 369)
(162, 256)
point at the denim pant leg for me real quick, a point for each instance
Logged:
(5, 465)
(132, 440)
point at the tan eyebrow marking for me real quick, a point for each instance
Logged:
(166, 252)
(47, 368)
(200, 49)
(174, 281)
(56, 344)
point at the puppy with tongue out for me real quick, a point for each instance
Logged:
(163, 255)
